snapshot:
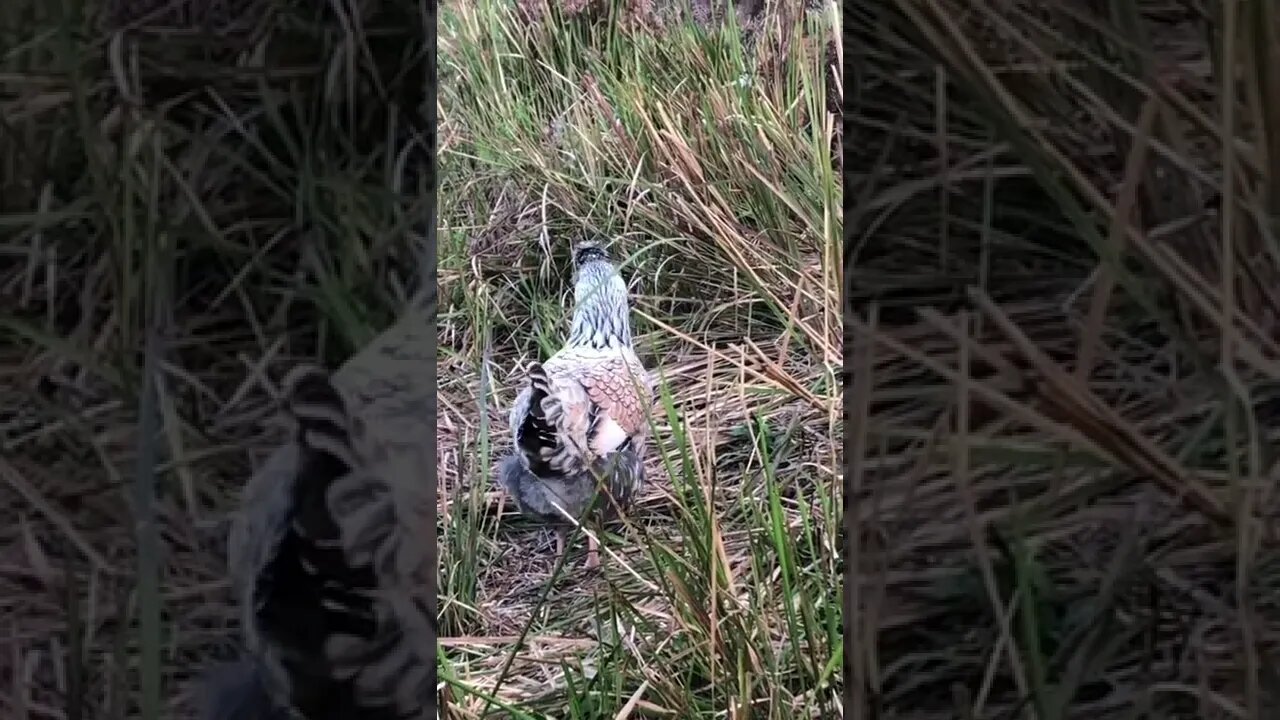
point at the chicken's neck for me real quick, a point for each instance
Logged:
(601, 316)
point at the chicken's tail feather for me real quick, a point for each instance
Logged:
(537, 436)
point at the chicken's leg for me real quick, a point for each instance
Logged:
(561, 535)
(593, 552)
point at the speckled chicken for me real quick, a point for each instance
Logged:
(581, 424)
(328, 553)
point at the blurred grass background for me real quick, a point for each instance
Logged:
(700, 145)
(1062, 268)
(194, 196)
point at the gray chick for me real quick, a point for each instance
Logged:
(580, 425)
(329, 562)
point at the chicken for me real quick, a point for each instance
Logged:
(328, 553)
(581, 424)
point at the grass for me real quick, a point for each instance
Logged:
(193, 202)
(709, 168)
(1063, 329)
(189, 206)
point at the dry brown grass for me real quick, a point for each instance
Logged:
(1063, 475)
(269, 202)
(154, 175)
